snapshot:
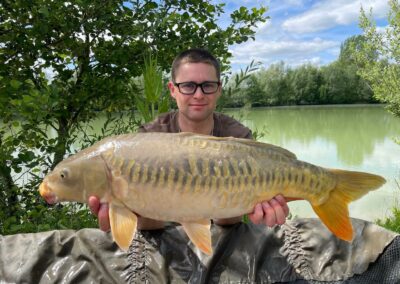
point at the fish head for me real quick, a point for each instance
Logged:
(75, 180)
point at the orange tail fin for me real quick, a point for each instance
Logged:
(350, 186)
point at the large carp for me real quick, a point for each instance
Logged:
(190, 179)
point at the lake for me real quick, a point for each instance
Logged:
(355, 137)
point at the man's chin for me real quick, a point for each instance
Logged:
(198, 116)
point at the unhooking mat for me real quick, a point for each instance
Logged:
(301, 251)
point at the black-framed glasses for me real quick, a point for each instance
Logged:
(189, 88)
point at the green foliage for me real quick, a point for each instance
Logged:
(335, 83)
(392, 223)
(40, 217)
(233, 85)
(153, 99)
(378, 57)
(63, 64)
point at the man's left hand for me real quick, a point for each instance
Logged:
(270, 213)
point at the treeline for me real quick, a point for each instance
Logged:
(279, 84)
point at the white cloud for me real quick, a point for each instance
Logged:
(383, 29)
(327, 14)
(264, 28)
(270, 29)
(297, 52)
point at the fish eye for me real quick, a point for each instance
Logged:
(64, 174)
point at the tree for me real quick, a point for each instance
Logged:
(254, 92)
(340, 84)
(233, 86)
(63, 63)
(378, 57)
(305, 81)
(358, 88)
(277, 89)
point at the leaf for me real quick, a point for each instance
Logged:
(210, 25)
(43, 10)
(15, 84)
(151, 5)
(30, 82)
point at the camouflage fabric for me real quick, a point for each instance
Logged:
(301, 251)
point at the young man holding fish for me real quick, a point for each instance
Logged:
(196, 87)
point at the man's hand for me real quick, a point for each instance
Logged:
(270, 213)
(101, 211)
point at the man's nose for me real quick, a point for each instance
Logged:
(198, 94)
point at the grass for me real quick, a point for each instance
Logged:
(393, 222)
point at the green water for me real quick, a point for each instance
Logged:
(349, 137)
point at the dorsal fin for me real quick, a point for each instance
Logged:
(243, 141)
(264, 146)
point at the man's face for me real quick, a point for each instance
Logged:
(199, 106)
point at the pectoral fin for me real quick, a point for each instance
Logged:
(199, 233)
(119, 187)
(123, 225)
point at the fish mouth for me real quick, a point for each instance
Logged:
(47, 194)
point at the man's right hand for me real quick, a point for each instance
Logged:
(101, 211)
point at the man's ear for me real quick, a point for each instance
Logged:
(171, 88)
(219, 91)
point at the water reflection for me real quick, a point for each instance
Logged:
(355, 131)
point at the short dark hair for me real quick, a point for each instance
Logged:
(195, 55)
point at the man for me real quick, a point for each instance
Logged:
(195, 85)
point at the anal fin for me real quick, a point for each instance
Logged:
(335, 215)
(199, 233)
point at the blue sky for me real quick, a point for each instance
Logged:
(302, 31)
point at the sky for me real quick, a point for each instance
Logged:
(302, 31)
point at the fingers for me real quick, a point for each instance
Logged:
(276, 214)
(94, 205)
(101, 211)
(104, 220)
(283, 202)
(270, 213)
(257, 216)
